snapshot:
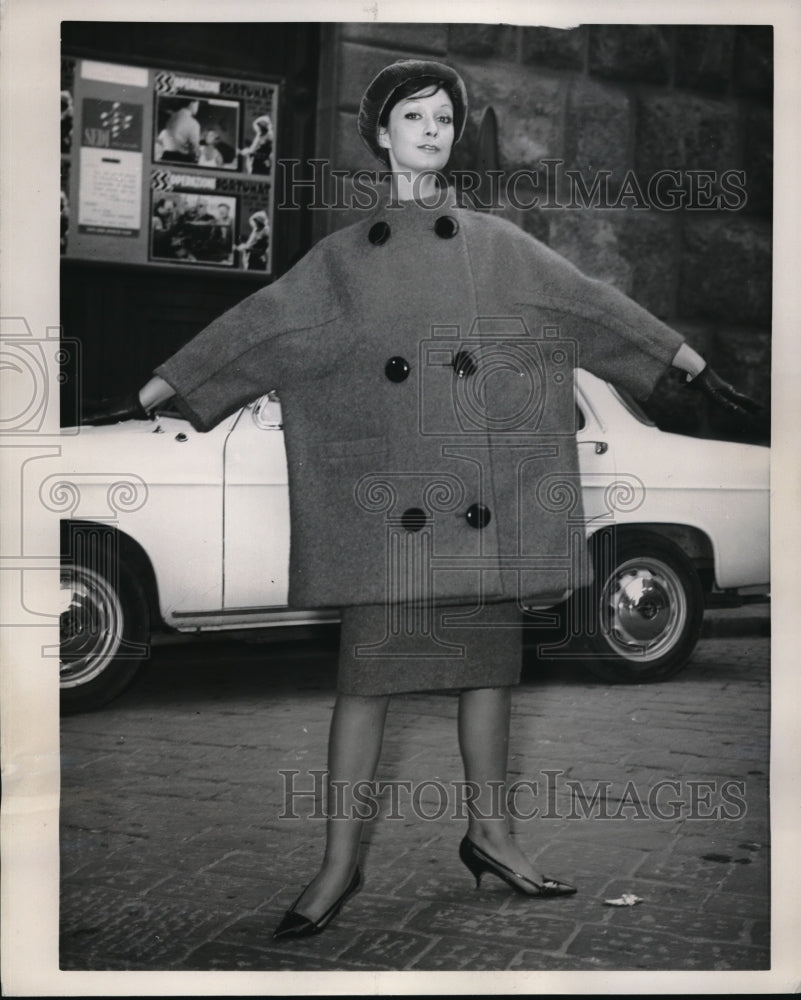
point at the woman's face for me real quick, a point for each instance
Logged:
(419, 133)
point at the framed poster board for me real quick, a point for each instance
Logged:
(167, 168)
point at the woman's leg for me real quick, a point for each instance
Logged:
(484, 716)
(354, 746)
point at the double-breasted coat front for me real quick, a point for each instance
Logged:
(424, 359)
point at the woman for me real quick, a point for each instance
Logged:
(208, 153)
(424, 357)
(254, 250)
(258, 155)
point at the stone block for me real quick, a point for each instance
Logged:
(358, 65)
(166, 930)
(222, 956)
(534, 961)
(699, 927)
(704, 57)
(630, 52)
(684, 132)
(529, 107)
(556, 48)
(548, 931)
(483, 41)
(585, 864)
(630, 249)
(753, 879)
(350, 153)
(687, 869)
(590, 240)
(726, 270)
(753, 61)
(220, 891)
(639, 949)
(648, 240)
(758, 159)
(386, 949)
(597, 130)
(744, 354)
(452, 954)
(405, 37)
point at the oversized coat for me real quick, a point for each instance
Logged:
(424, 360)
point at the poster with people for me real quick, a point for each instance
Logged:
(180, 164)
(210, 221)
(193, 228)
(203, 133)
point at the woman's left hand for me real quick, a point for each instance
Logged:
(113, 411)
(724, 395)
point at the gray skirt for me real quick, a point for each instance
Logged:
(390, 649)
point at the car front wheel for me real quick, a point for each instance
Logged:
(104, 623)
(646, 609)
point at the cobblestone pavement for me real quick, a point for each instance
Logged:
(175, 855)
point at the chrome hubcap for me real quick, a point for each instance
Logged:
(643, 609)
(91, 626)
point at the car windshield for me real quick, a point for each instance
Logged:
(632, 406)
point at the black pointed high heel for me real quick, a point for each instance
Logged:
(479, 862)
(295, 925)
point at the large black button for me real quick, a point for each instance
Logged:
(446, 227)
(478, 516)
(379, 233)
(464, 364)
(413, 519)
(397, 369)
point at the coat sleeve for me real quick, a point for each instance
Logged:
(613, 337)
(283, 334)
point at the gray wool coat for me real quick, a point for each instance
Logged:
(424, 359)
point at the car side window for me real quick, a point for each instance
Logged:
(581, 422)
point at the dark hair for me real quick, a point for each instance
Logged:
(412, 88)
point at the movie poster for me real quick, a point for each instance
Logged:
(167, 168)
(110, 189)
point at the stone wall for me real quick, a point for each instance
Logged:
(616, 105)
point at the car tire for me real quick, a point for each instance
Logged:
(645, 608)
(105, 623)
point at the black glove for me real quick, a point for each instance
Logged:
(112, 411)
(724, 395)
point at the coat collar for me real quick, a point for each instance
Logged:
(390, 207)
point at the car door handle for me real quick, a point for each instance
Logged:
(601, 447)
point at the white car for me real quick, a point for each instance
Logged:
(169, 529)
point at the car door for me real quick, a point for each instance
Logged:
(596, 462)
(256, 510)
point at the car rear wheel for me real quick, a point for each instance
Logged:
(646, 609)
(104, 626)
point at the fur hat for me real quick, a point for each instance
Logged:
(380, 91)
